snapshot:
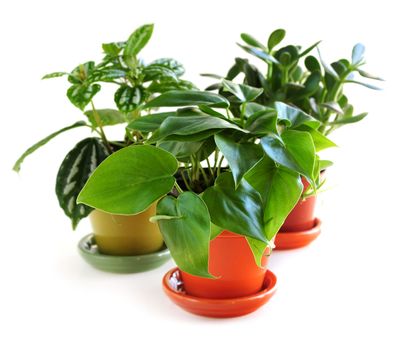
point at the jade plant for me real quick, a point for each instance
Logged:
(296, 77)
(181, 165)
(136, 82)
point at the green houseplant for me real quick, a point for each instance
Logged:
(136, 83)
(296, 77)
(200, 201)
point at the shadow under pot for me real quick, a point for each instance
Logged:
(125, 235)
(233, 263)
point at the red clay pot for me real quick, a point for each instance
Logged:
(232, 262)
(302, 217)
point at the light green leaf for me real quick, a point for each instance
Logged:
(275, 38)
(107, 117)
(321, 142)
(244, 93)
(187, 233)
(294, 116)
(54, 75)
(130, 180)
(171, 64)
(260, 54)
(33, 148)
(138, 39)
(150, 122)
(81, 94)
(250, 40)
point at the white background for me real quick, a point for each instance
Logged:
(345, 291)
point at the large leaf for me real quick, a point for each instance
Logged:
(295, 150)
(188, 98)
(81, 94)
(130, 180)
(262, 122)
(165, 85)
(157, 72)
(280, 190)
(244, 93)
(294, 116)
(73, 173)
(192, 125)
(181, 150)
(238, 210)
(44, 141)
(185, 226)
(106, 117)
(127, 98)
(240, 156)
(321, 142)
(138, 39)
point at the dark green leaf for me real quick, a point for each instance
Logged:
(108, 74)
(81, 73)
(81, 94)
(312, 64)
(258, 248)
(240, 156)
(127, 98)
(309, 49)
(188, 98)
(349, 120)
(186, 232)
(237, 210)
(165, 85)
(149, 123)
(243, 93)
(73, 173)
(171, 64)
(262, 122)
(33, 148)
(157, 72)
(130, 180)
(181, 150)
(275, 38)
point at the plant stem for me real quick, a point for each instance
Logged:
(100, 127)
(178, 188)
(219, 166)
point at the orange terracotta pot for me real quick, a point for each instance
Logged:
(232, 262)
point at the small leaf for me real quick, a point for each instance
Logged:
(368, 75)
(188, 98)
(358, 53)
(130, 180)
(187, 233)
(33, 148)
(259, 54)
(73, 173)
(81, 73)
(333, 106)
(309, 49)
(171, 64)
(242, 92)
(138, 39)
(321, 142)
(363, 84)
(165, 85)
(157, 72)
(54, 75)
(294, 116)
(275, 38)
(323, 164)
(328, 68)
(81, 94)
(312, 64)
(127, 98)
(237, 210)
(107, 117)
(349, 120)
(113, 49)
(248, 39)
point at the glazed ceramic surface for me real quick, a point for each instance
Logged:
(220, 308)
(126, 235)
(232, 262)
(88, 249)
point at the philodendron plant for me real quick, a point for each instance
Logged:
(267, 150)
(296, 77)
(136, 83)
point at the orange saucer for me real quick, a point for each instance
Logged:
(219, 308)
(298, 239)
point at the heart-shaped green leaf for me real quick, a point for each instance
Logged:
(130, 180)
(244, 93)
(238, 210)
(186, 231)
(294, 116)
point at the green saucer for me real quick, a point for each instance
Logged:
(120, 264)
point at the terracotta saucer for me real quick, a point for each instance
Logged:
(297, 239)
(120, 264)
(219, 308)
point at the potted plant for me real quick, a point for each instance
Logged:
(209, 214)
(297, 78)
(136, 82)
